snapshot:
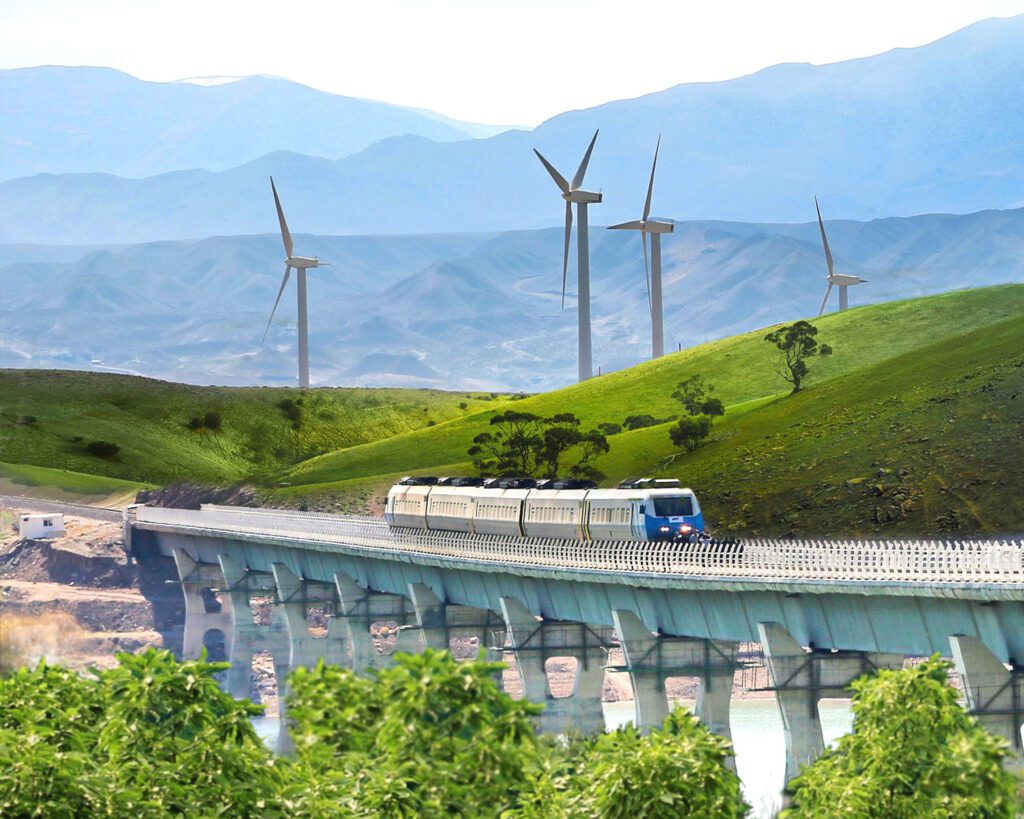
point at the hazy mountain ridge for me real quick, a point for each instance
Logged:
(923, 130)
(61, 119)
(471, 311)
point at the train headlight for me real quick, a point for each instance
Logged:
(686, 528)
(664, 529)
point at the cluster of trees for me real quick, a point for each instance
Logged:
(429, 737)
(434, 737)
(524, 444)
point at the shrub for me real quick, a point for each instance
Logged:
(678, 770)
(195, 423)
(102, 449)
(212, 420)
(914, 751)
(641, 421)
(26, 420)
(690, 430)
(609, 429)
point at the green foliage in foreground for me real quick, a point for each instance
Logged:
(913, 752)
(429, 737)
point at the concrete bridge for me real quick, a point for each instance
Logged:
(823, 612)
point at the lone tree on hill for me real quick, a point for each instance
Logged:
(701, 408)
(796, 344)
(522, 443)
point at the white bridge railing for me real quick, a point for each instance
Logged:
(926, 561)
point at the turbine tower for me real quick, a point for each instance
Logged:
(652, 276)
(840, 280)
(572, 194)
(301, 264)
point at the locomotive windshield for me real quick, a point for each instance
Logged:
(677, 507)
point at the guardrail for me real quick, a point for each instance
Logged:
(80, 509)
(925, 561)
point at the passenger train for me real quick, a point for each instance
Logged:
(638, 509)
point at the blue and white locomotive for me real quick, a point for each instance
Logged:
(638, 509)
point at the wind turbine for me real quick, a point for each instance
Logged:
(652, 276)
(840, 280)
(572, 194)
(301, 265)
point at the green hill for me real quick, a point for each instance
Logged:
(913, 425)
(49, 418)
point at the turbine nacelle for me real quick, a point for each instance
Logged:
(844, 279)
(582, 197)
(304, 262)
(650, 226)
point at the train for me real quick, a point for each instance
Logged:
(638, 509)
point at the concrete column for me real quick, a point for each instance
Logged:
(534, 641)
(440, 622)
(652, 658)
(250, 637)
(993, 690)
(800, 678)
(304, 650)
(197, 578)
(294, 594)
(359, 608)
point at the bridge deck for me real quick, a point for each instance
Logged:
(969, 569)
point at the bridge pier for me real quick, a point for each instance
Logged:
(534, 641)
(993, 690)
(651, 658)
(360, 608)
(203, 613)
(800, 678)
(440, 622)
(249, 637)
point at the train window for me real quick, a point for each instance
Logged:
(673, 507)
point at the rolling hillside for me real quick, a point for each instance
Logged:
(49, 418)
(916, 424)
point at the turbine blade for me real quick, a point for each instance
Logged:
(581, 171)
(824, 301)
(565, 253)
(277, 301)
(650, 185)
(647, 275)
(559, 179)
(286, 236)
(824, 239)
(636, 224)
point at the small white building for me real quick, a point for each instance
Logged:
(41, 526)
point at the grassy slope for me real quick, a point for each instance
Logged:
(56, 484)
(898, 395)
(148, 419)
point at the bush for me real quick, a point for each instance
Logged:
(678, 770)
(690, 430)
(463, 405)
(26, 420)
(212, 420)
(609, 429)
(914, 751)
(431, 737)
(102, 449)
(641, 421)
(195, 423)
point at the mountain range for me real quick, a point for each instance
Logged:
(59, 119)
(460, 311)
(930, 129)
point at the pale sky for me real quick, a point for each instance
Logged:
(495, 61)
